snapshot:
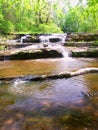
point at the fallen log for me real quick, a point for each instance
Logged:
(60, 75)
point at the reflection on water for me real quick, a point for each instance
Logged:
(54, 90)
(52, 104)
(38, 67)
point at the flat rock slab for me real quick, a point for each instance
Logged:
(85, 52)
(81, 44)
(82, 36)
(31, 52)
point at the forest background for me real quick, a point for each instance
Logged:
(48, 16)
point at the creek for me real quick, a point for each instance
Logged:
(62, 104)
(57, 104)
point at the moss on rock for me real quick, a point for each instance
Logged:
(85, 53)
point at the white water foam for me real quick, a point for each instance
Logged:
(18, 86)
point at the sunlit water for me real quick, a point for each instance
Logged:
(52, 104)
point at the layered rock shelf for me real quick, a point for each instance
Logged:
(85, 52)
(82, 37)
(31, 52)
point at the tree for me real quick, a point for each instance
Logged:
(25, 15)
(82, 18)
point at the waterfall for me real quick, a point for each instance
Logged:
(61, 37)
(24, 38)
(45, 41)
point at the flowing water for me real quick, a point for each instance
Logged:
(24, 38)
(46, 38)
(63, 104)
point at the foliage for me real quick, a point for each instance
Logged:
(42, 29)
(26, 16)
(39, 16)
(82, 18)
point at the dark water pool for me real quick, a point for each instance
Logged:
(63, 104)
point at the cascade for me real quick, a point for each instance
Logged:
(24, 38)
(45, 41)
(61, 37)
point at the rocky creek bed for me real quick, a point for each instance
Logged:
(31, 52)
(49, 104)
(80, 44)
